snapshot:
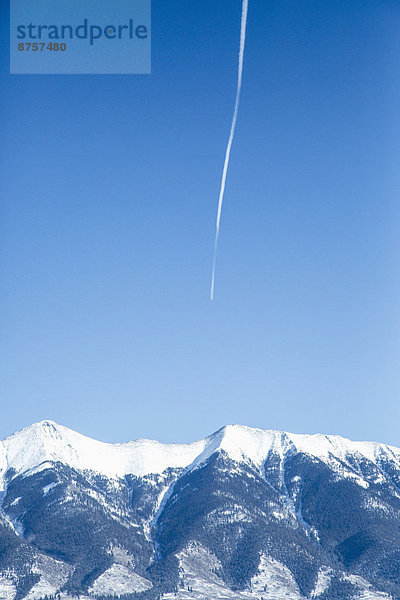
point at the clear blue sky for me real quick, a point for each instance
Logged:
(109, 188)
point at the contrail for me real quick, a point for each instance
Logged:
(231, 136)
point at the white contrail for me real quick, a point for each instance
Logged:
(231, 135)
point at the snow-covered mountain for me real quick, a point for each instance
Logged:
(243, 513)
(34, 446)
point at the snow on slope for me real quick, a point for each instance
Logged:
(274, 580)
(53, 574)
(199, 581)
(8, 587)
(118, 580)
(365, 589)
(34, 446)
(198, 569)
(47, 441)
(323, 581)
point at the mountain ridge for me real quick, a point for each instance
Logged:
(231, 438)
(243, 514)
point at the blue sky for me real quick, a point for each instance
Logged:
(109, 188)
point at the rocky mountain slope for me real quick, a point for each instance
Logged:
(243, 514)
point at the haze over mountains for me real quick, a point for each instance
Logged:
(242, 514)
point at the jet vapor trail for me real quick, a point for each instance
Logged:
(231, 135)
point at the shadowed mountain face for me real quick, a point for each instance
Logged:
(244, 514)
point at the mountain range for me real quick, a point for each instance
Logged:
(244, 514)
